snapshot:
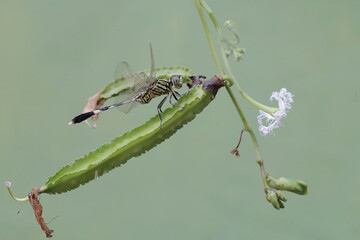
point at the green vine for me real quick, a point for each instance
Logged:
(271, 185)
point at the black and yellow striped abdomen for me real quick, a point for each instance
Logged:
(157, 88)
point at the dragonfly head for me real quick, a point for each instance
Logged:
(177, 81)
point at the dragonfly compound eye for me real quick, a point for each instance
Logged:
(177, 81)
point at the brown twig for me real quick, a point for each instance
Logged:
(235, 151)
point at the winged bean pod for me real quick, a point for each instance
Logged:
(133, 143)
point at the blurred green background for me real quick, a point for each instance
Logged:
(54, 54)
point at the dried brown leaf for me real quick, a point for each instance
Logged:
(94, 103)
(36, 205)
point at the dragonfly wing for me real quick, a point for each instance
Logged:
(128, 107)
(129, 82)
(124, 96)
(137, 82)
(143, 82)
(123, 70)
(152, 70)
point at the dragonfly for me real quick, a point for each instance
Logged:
(143, 89)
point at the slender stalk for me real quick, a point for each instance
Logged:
(207, 32)
(17, 199)
(214, 54)
(248, 128)
(199, 4)
(227, 65)
(237, 106)
(246, 125)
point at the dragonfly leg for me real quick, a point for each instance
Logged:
(159, 108)
(180, 95)
(177, 93)
(174, 103)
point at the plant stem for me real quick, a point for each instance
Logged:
(225, 60)
(17, 199)
(211, 44)
(246, 125)
(248, 128)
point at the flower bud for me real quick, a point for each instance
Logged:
(281, 196)
(8, 184)
(228, 24)
(291, 185)
(272, 197)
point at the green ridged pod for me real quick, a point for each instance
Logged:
(134, 143)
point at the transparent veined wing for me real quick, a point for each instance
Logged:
(124, 97)
(125, 77)
(152, 69)
(123, 70)
(145, 80)
(143, 83)
(133, 83)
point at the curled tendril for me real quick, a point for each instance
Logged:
(231, 46)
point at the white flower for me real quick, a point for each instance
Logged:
(284, 99)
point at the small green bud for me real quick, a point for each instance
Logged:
(237, 56)
(273, 199)
(292, 185)
(242, 51)
(281, 195)
(228, 24)
(271, 182)
(281, 204)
